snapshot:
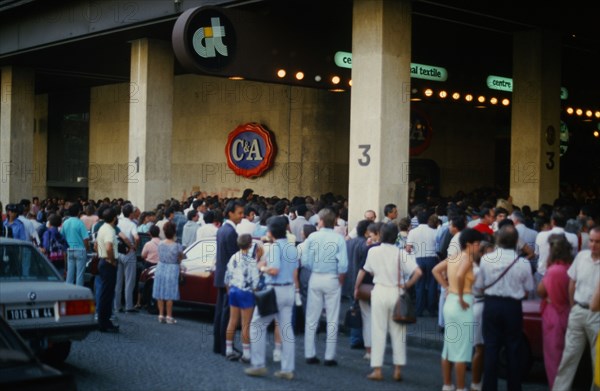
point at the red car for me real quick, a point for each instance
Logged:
(197, 286)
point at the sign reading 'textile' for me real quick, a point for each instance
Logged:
(418, 71)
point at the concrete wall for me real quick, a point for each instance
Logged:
(109, 141)
(311, 130)
(40, 146)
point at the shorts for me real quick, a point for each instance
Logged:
(241, 299)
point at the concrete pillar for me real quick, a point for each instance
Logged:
(380, 107)
(150, 123)
(16, 134)
(535, 132)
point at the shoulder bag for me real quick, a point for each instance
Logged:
(404, 309)
(353, 319)
(503, 273)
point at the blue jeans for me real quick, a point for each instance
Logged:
(76, 260)
(426, 286)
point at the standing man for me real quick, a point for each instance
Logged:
(247, 225)
(505, 278)
(226, 247)
(13, 224)
(190, 228)
(326, 256)
(583, 323)
(107, 267)
(390, 213)
(421, 242)
(32, 234)
(297, 225)
(127, 262)
(369, 215)
(558, 220)
(77, 237)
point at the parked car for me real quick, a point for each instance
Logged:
(197, 287)
(21, 370)
(35, 301)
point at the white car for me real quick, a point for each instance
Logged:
(37, 303)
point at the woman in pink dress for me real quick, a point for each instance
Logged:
(555, 307)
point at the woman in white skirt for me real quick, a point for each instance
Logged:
(386, 262)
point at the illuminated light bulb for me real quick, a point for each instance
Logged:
(481, 99)
(299, 75)
(428, 92)
(414, 91)
(350, 82)
(281, 73)
(588, 113)
(578, 111)
(505, 101)
(335, 80)
(443, 94)
(318, 78)
(597, 114)
(493, 101)
(596, 134)
(468, 97)
(570, 110)
(456, 96)
(236, 78)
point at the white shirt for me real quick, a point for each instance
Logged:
(514, 284)
(30, 229)
(297, 226)
(383, 262)
(245, 227)
(422, 240)
(585, 271)
(542, 247)
(206, 231)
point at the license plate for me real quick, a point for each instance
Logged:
(30, 313)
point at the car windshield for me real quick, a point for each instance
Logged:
(18, 262)
(201, 254)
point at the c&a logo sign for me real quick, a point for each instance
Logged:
(250, 150)
(208, 39)
(204, 39)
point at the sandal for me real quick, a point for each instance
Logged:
(171, 320)
(161, 319)
(374, 376)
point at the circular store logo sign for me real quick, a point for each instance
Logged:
(250, 150)
(420, 133)
(204, 38)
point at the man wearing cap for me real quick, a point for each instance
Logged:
(12, 221)
(583, 323)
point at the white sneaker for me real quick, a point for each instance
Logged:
(367, 356)
(276, 355)
(448, 387)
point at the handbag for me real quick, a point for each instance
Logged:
(364, 292)
(93, 264)
(404, 309)
(266, 301)
(353, 319)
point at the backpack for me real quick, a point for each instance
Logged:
(57, 250)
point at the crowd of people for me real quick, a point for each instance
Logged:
(469, 261)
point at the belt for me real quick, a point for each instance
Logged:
(284, 284)
(582, 305)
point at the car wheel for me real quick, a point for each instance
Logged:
(151, 305)
(526, 360)
(57, 353)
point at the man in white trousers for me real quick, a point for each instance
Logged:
(326, 256)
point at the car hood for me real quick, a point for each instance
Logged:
(20, 291)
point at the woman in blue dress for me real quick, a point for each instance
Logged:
(166, 275)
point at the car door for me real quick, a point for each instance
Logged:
(199, 266)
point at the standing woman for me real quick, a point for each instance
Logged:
(384, 262)
(555, 306)
(458, 310)
(166, 276)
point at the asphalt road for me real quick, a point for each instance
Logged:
(147, 355)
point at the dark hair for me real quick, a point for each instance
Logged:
(404, 224)
(388, 233)
(249, 209)
(209, 217)
(559, 219)
(246, 193)
(361, 228)
(244, 241)
(25, 202)
(154, 231)
(169, 211)
(308, 229)
(560, 249)
(191, 214)
(505, 222)
(500, 210)
(469, 236)
(507, 237)
(277, 225)
(54, 220)
(328, 217)
(74, 210)
(375, 227)
(458, 222)
(422, 217)
(127, 210)
(301, 210)
(169, 229)
(109, 214)
(388, 209)
(280, 207)
(232, 206)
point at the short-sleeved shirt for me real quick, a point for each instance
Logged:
(106, 234)
(514, 284)
(422, 240)
(75, 232)
(585, 271)
(129, 228)
(283, 256)
(383, 263)
(150, 251)
(242, 272)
